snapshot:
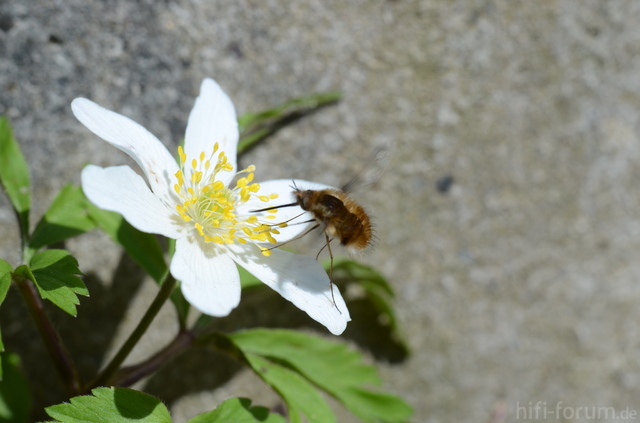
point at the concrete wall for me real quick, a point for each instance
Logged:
(519, 284)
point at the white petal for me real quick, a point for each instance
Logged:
(210, 280)
(301, 184)
(295, 216)
(151, 155)
(213, 119)
(122, 190)
(299, 279)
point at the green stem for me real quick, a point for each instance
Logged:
(107, 374)
(52, 340)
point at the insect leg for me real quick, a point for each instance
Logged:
(299, 236)
(328, 245)
(323, 247)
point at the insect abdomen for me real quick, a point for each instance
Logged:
(351, 224)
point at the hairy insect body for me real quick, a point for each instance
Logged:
(340, 216)
(337, 215)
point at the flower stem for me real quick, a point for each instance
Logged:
(130, 375)
(107, 374)
(52, 340)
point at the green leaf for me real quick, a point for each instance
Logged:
(181, 304)
(5, 283)
(55, 273)
(302, 398)
(15, 397)
(143, 248)
(238, 410)
(178, 300)
(331, 366)
(372, 406)
(67, 217)
(376, 290)
(254, 127)
(111, 405)
(5, 279)
(14, 175)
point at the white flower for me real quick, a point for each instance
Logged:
(193, 202)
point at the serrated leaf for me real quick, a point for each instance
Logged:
(67, 217)
(238, 410)
(254, 127)
(111, 405)
(14, 175)
(331, 366)
(15, 397)
(143, 248)
(302, 398)
(55, 273)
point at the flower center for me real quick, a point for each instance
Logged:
(211, 207)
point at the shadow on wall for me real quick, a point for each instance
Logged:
(101, 314)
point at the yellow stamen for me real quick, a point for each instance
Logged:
(211, 207)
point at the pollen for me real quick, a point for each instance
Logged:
(210, 207)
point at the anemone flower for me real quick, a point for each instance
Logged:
(193, 200)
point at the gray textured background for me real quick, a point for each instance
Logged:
(518, 285)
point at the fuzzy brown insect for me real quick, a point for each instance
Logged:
(339, 216)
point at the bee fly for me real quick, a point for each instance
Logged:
(338, 215)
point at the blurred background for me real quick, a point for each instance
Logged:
(507, 220)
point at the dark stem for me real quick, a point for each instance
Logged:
(107, 374)
(130, 375)
(52, 340)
